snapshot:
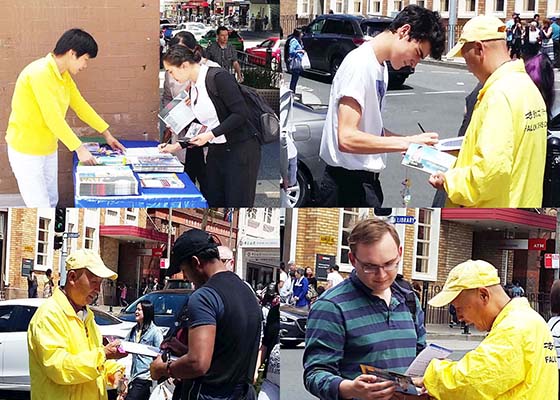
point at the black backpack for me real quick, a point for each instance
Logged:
(409, 295)
(261, 116)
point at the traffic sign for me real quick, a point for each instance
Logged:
(403, 219)
(72, 235)
(552, 261)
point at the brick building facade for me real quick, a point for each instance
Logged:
(121, 83)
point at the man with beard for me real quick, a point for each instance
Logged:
(224, 326)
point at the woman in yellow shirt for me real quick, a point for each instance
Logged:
(44, 91)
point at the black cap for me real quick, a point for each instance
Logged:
(189, 244)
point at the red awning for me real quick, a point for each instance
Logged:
(205, 4)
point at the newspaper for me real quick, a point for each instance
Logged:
(427, 159)
(115, 180)
(162, 162)
(420, 363)
(176, 114)
(163, 180)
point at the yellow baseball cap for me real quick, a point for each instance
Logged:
(468, 275)
(89, 259)
(483, 27)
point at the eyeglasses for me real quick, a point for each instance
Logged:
(372, 268)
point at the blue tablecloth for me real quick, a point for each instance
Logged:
(187, 197)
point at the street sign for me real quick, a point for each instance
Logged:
(402, 219)
(26, 266)
(552, 261)
(322, 264)
(72, 235)
(537, 244)
(164, 263)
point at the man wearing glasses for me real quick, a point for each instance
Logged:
(363, 320)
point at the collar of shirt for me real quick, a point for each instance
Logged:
(52, 64)
(396, 296)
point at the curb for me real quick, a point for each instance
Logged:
(473, 337)
(445, 63)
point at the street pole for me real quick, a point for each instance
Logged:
(63, 253)
(169, 224)
(230, 227)
(452, 24)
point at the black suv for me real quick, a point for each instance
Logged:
(330, 37)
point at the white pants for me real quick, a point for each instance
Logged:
(37, 178)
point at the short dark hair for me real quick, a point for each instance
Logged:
(179, 54)
(424, 25)
(555, 297)
(185, 38)
(48, 272)
(221, 28)
(335, 267)
(208, 254)
(78, 40)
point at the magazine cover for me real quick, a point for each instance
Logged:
(427, 159)
(403, 382)
(165, 180)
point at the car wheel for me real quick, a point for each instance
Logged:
(396, 81)
(335, 65)
(290, 344)
(298, 195)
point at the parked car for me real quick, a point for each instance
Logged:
(198, 29)
(308, 121)
(328, 38)
(167, 303)
(293, 322)
(15, 316)
(257, 54)
(234, 39)
(178, 284)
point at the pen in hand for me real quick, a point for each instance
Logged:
(422, 129)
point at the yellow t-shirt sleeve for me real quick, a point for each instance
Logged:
(84, 111)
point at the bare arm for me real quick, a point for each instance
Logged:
(352, 140)
(197, 361)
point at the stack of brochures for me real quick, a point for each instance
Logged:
(161, 180)
(156, 163)
(105, 181)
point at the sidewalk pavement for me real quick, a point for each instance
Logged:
(444, 332)
(444, 62)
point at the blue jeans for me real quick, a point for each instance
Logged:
(295, 77)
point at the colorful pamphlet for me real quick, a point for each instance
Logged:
(194, 130)
(403, 382)
(427, 159)
(163, 162)
(176, 114)
(164, 180)
(116, 180)
(451, 144)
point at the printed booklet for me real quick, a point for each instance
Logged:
(164, 180)
(427, 159)
(176, 114)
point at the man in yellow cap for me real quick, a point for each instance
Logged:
(67, 359)
(517, 359)
(501, 162)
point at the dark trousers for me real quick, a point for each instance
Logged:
(139, 389)
(197, 391)
(345, 188)
(195, 167)
(295, 78)
(556, 47)
(232, 171)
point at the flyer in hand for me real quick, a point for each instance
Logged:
(403, 382)
(427, 159)
(105, 181)
(194, 129)
(176, 114)
(451, 144)
(163, 180)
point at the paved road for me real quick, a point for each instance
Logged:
(291, 376)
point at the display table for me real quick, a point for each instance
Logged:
(187, 197)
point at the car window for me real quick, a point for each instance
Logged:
(316, 27)
(164, 303)
(374, 28)
(266, 44)
(338, 27)
(102, 318)
(6, 313)
(22, 317)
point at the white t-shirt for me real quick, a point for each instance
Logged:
(555, 322)
(361, 77)
(288, 288)
(202, 105)
(335, 278)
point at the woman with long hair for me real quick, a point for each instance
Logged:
(234, 153)
(541, 71)
(144, 332)
(296, 55)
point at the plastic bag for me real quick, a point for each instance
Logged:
(305, 63)
(163, 391)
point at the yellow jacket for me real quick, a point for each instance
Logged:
(39, 105)
(501, 162)
(517, 360)
(66, 357)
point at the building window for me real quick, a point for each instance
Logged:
(88, 243)
(444, 5)
(43, 241)
(470, 5)
(529, 5)
(374, 6)
(420, 3)
(426, 242)
(338, 6)
(358, 7)
(398, 5)
(305, 6)
(349, 218)
(252, 213)
(112, 213)
(499, 5)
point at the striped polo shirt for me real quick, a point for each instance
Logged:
(348, 326)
